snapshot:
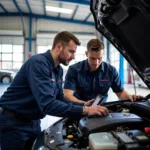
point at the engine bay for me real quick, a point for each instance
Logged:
(127, 127)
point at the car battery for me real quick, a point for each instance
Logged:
(132, 140)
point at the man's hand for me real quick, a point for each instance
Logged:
(123, 95)
(89, 102)
(135, 97)
(97, 110)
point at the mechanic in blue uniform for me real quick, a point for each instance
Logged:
(36, 91)
(91, 77)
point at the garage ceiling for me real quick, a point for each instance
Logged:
(37, 8)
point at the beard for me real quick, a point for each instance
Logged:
(63, 60)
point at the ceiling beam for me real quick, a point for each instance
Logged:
(49, 18)
(75, 11)
(28, 6)
(88, 16)
(20, 14)
(60, 6)
(74, 32)
(18, 8)
(81, 2)
(3, 8)
(44, 7)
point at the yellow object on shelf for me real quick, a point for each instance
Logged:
(70, 136)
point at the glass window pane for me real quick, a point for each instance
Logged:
(7, 57)
(6, 65)
(41, 49)
(0, 48)
(17, 65)
(17, 57)
(80, 54)
(49, 47)
(6, 48)
(17, 48)
(79, 57)
(125, 64)
(81, 50)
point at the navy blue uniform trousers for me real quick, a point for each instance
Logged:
(17, 134)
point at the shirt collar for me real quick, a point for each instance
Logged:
(86, 66)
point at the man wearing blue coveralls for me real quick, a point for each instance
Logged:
(88, 78)
(36, 91)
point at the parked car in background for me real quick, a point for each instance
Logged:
(6, 76)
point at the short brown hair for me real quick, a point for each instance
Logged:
(95, 45)
(64, 38)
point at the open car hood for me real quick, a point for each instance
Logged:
(126, 24)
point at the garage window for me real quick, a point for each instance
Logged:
(11, 56)
(115, 60)
(11, 49)
(42, 49)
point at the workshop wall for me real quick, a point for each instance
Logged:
(40, 26)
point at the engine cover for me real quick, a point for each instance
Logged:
(95, 124)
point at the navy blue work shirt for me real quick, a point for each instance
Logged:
(87, 85)
(37, 90)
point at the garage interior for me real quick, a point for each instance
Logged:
(27, 27)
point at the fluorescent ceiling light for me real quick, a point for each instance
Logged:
(60, 10)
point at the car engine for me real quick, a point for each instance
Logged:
(127, 127)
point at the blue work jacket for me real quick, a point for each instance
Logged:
(87, 85)
(37, 90)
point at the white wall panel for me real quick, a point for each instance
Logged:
(11, 23)
(50, 41)
(26, 26)
(11, 32)
(47, 39)
(46, 35)
(85, 38)
(14, 23)
(12, 40)
(34, 27)
(6, 40)
(42, 42)
(59, 26)
(18, 40)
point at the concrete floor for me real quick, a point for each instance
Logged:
(49, 120)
